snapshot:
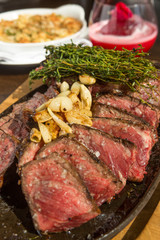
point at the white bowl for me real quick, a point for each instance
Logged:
(31, 53)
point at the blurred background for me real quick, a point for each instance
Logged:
(6, 5)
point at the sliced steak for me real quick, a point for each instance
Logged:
(57, 198)
(37, 100)
(140, 135)
(28, 107)
(51, 92)
(103, 110)
(101, 183)
(133, 106)
(29, 153)
(106, 111)
(12, 134)
(15, 127)
(7, 151)
(116, 153)
(5, 120)
(16, 123)
(151, 92)
(108, 87)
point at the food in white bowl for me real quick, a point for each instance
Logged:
(34, 52)
(38, 28)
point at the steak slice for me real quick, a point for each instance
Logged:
(151, 92)
(38, 99)
(5, 119)
(31, 105)
(101, 183)
(16, 126)
(106, 111)
(7, 152)
(51, 92)
(116, 153)
(29, 153)
(57, 198)
(140, 135)
(133, 106)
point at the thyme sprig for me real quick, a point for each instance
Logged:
(131, 68)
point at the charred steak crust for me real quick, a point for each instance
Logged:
(56, 196)
(101, 183)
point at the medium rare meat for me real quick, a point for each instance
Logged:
(51, 92)
(15, 127)
(133, 106)
(5, 120)
(140, 135)
(16, 124)
(57, 198)
(106, 111)
(7, 151)
(29, 153)
(151, 92)
(117, 154)
(38, 99)
(101, 183)
(103, 110)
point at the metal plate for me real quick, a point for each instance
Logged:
(16, 222)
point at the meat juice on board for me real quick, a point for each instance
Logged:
(123, 29)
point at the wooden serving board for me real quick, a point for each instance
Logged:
(151, 231)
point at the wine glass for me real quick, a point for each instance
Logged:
(121, 24)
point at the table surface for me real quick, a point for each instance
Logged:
(147, 224)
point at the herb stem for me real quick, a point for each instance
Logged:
(131, 68)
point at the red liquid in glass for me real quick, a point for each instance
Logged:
(146, 45)
(146, 37)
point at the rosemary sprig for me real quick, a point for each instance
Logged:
(131, 68)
